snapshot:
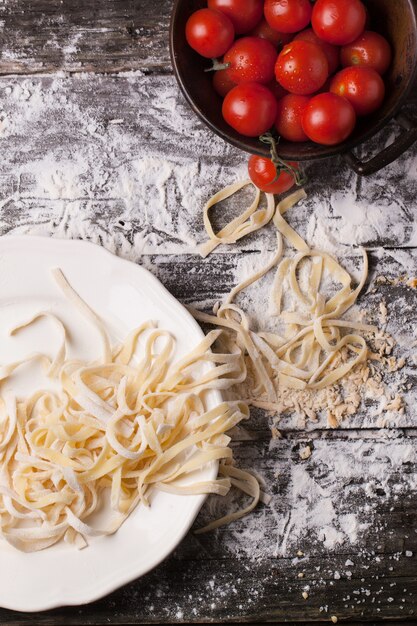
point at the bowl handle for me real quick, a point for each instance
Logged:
(389, 154)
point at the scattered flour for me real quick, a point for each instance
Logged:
(132, 173)
(324, 494)
(142, 159)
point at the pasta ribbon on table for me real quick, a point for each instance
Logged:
(319, 347)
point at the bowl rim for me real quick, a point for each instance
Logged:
(263, 150)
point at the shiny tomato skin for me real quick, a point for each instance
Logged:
(250, 108)
(328, 119)
(289, 117)
(288, 16)
(332, 52)
(338, 22)
(210, 33)
(369, 50)
(251, 59)
(222, 82)
(264, 31)
(244, 14)
(301, 67)
(262, 173)
(362, 86)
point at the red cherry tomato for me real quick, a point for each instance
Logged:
(250, 108)
(287, 16)
(328, 119)
(338, 21)
(244, 14)
(264, 31)
(210, 33)
(222, 82)
(263, 174)
(251, 59)
(289, 117)
(369, 50)
(301, 67)
(332, 52)
(362, 86)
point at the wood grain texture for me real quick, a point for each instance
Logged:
(71, 180)
(212, 577)
(128, 148)
(71, 36)
(121, 160)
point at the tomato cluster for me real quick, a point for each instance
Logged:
(307, 69)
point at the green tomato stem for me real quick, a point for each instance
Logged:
(280, 164)
(217, 65)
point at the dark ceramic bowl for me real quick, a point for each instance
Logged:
(396, 19)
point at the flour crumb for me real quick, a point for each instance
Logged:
(276, 434)
(305, 453)
(383, 313)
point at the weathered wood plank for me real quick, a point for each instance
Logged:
(138, 186)
(127, 148)
(122, 161)
(108, 36)
(250, 570)
(232, 593)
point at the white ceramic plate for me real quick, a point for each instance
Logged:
(124, 294)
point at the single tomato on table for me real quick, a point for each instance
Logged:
(362, 86)
(251, 59)
(263, 173)
(287, 16)
(250, 108)
(210, 33)
(338, 22)
(332, 52)
(244, 14)
(369, 50)
(328, 119)
(289, 117)
(301, 67)
(264, 31)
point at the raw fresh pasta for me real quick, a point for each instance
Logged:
(318, 347)
(123, 424)
(252, 219)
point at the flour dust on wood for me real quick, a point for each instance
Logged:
(120, 161)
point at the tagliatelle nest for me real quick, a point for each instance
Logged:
(319, 347)
(118, 424)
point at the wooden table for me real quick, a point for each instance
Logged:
(90, 110)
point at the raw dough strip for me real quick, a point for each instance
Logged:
(83, 307)
(259, 274)
(59, 359)
(251, 220)
(252, 486)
